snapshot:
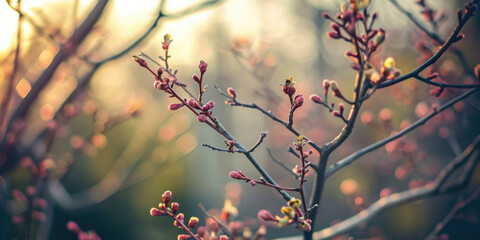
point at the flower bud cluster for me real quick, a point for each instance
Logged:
(90, 235)
(292, 214)
(179, 218)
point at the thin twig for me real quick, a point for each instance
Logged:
(458, 206)
(346, 161)
(281, 164)
(220, 224)
(452, 39)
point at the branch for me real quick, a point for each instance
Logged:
(346, 161)
(281, 164)
(434, 36)
(452, 39)
(459, 205)
(471, 154)
(269, 114)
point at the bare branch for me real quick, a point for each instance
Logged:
(346, 161)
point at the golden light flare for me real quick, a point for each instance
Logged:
(166, 133)
(349, 186)
(99, 140)
(45, 58)
(23, 88)
(46, 112)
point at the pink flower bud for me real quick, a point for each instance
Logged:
(192, 223)
(201, 118)
(265, 215)
(460, 37)
(316, 99)
(196, 78)
(326, 84)
(298, 102)
(336, 114)
(237, 175)
(335, 27)
(175, 106)
(223, 237)
(140, 61)
(180, 217)
(73, 227)
(202, 66)
(174, 207)
(156, 212)
(252, 182)
(340, 107)
(167, 196)
(160, 71)
(211, 104)
(333, 35)
(183, 237)
(193, 103)
(201, 231)
(231, 92)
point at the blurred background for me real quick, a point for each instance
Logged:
(124, 148)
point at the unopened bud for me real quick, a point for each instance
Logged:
(174, 207)
(156, 212)
(193, 103)
(160, 71)
(316, 99)
(298, 102)
(183, 237)
(459, 37)
(201, 118)
(336, 113)
(180, 217)
(192, 223)
(223, 237)
(265, 215)
(252, 182)
(237, 175)
(202, 66)
(140, 61)
(196, 78)
(73, 227)
(231, 92)
(333, 35)
(175, 106)
(167, 196)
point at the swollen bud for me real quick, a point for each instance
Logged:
(193, 222)
(174, 207)
(201, 118)
(202, 66)
(160, 71)
(175, 106)
(316, 99)
(231, 92)
(196, 78)
(167, 196)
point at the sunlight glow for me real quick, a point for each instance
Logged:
(23, 87)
